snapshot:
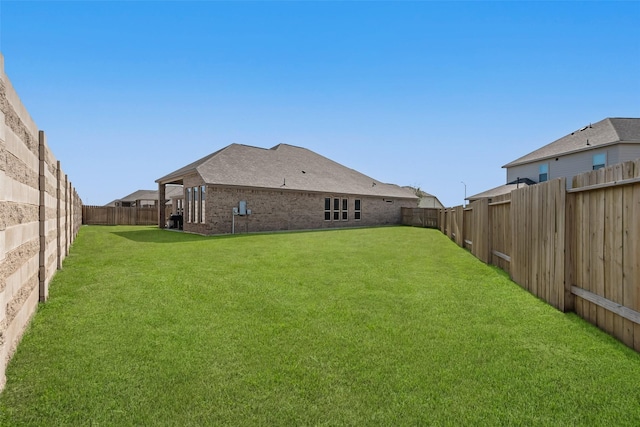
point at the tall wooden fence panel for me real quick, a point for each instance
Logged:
(110, 215)
(500, 232)
(538, 240)
(457, 224)
(480, 229)
(605, 236)
(467, 228)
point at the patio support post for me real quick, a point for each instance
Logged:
(162, 220)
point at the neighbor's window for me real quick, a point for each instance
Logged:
(327, 209)
(336, 209)
(202, 205)
(189, 206)
(543, 172)
(599, 160)
(345, 209)
(356, 209)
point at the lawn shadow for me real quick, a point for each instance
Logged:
(158, 236)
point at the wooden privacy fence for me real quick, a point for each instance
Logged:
(576, 249)
(110, 215)
(420, 217)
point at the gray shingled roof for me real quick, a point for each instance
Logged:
(141, 195)
(283, 167)
(497, 191)
(170, 191)
(606, 132)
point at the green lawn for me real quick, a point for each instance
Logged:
(384, 326)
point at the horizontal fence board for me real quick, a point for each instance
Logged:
(605, 303)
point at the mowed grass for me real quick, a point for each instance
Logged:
(383, 326)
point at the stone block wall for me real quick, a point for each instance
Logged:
(40, 214)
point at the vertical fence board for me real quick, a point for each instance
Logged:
(598, 249)
(571, 251)
(616, 256)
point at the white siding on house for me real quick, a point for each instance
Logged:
(529, 170)
(627, 152)
(574, 164)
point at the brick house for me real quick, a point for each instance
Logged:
(242, 189)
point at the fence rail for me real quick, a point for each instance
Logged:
(576, 249)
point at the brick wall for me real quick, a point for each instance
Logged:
(275, 210)
(40, 213)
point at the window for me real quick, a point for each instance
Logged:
(543, 173)
(356, 209)
(189, 205)
(336, 209)
(202, 205)
(327, 209)
(196, 205)
(345, 209)
(599, 161)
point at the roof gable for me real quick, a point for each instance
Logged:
(606, 132)
(285, 167)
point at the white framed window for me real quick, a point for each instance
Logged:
(543, 172)
(599, 161)
(336, 209)
(202, 204)
(196, 205)
(356, 209)
(189, 204)
(345, 209)
(327, 209)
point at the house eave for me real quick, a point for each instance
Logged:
(302, 190)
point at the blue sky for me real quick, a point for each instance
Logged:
(429, 94)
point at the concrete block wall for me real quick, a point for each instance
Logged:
(40, 214)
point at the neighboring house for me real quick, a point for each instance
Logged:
(610, 141)
(426, 200)
(146, 198)
(250, 189)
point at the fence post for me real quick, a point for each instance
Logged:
(67, 217)
(58, 215)
(42, 217)
(161, 205)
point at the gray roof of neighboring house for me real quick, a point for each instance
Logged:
(606, 132)
(284, 167)
(170, 191)
(497, 191)
(141, 195)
